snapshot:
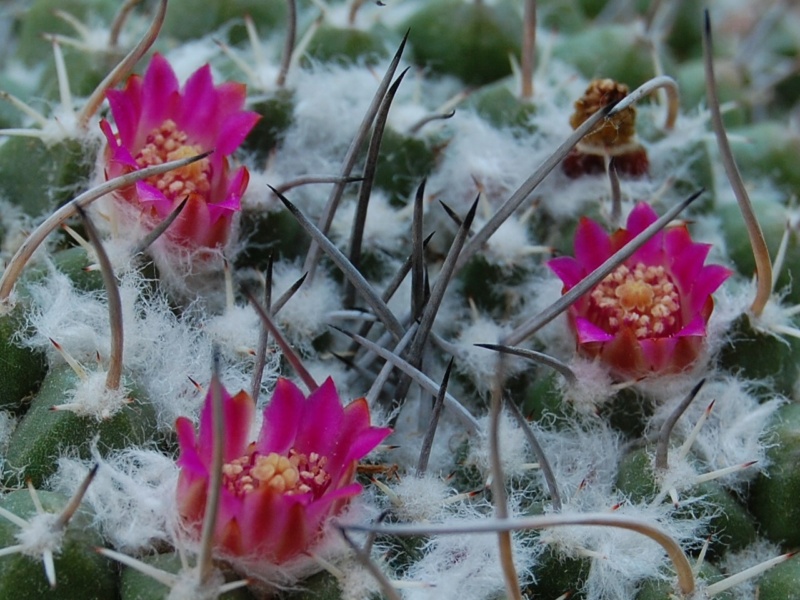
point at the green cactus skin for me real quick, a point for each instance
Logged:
(756, 355)
(772, 216)
(345, 45)
(630, 63)
(663, 590)
(37, 177)
(781, 582)
(556, 575)
(135, 585)
(190, 19)
(470, 40)
(43, 434)
(277, 116)
(81, 573)
(775, 493)
(21, 369)
(768, 152)
(731, 527)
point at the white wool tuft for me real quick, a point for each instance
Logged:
(40, 535)
(515, 452)
(480, 364)
(556, 336)
(735, 430)
(736, 562)
(593, 388)
(236, 331)
(481, 159)
(356, 582)
(386, 227)
(456, 567)
(305, 316)
(419, 498)
(91, 398)
(409, 432)
(132, 495)
(510, 245)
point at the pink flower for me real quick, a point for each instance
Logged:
(649, 315)
(159, 122)
(279, 491)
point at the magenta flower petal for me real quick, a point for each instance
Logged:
(708, 282)
(589, 332)
(282, 418)
(127, 111)
(649, 315)
(234, 129)
(695, 328)
(277, 494)
(238, 413)
(150, 195)
(568, 270)
(687, 264)
(640, 218)
(322, 433)
(158, 95)
(658, 352)
(158, 122)
(592, 244)
(198, 112)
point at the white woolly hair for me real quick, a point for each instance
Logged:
(479, 158)
(510, 245)
(584, 459)
(386, 227)
(515, 452)
(91, 398)
(480, 364)
(736, 562)
(623, 558)
(235, 331)
(539, 292)
(132, 495)
(735, 431)
(420, 498)
(465, 566)
(39, 535)
(332, 101)
(409, 432)
(355, 581)
(593, 388)
(79, 322)
(305, 316)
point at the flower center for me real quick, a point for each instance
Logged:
(643, 298)
(166, 143)
(295, 474)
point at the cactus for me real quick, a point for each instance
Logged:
(517, 235)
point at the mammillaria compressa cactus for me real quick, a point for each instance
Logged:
(520, 233)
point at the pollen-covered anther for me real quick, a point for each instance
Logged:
(166, 143)
(642, 298)
(295, 474)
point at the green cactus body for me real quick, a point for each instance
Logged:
(81, 573)
(44, 434)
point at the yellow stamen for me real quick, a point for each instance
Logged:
(166, 143)
(643, 298)
(295, 474)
